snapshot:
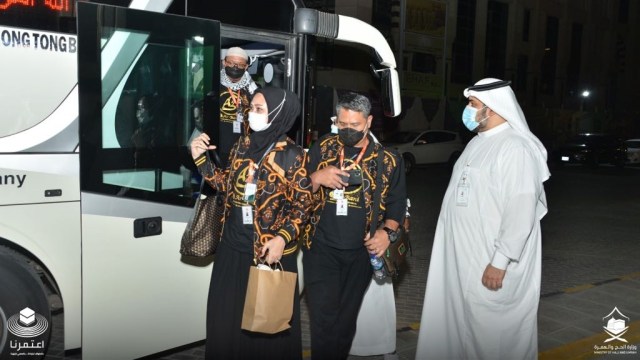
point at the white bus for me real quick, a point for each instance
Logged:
(88, 210)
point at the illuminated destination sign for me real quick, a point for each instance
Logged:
(50, 15)
(60, 6)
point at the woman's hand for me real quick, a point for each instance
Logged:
(273, 249)
(201, 144)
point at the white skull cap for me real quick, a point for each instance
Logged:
(236, 51)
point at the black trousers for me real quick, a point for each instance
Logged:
(335, 283)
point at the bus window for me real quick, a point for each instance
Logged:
(152, 92)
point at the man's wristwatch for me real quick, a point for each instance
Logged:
(393, 234)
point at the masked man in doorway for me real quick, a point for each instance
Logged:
(236, 88)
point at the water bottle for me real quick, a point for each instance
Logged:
(378, 266)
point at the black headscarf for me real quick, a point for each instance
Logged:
(281, 118)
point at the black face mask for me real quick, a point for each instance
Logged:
(350, 137)
(233, 72)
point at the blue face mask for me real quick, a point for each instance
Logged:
(469, 117)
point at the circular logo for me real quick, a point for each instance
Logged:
(37, 328)
(241, 181)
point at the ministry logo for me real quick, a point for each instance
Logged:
(615, 325)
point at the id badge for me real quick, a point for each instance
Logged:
(249, 192)
(342, 207)
(239, 117)
(462, 194)
(237, 127)
(338, 194)
(463, 189)
(247, 215)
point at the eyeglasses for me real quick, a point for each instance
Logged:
(236, 65)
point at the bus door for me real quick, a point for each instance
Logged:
(275, 60)
(140, 77)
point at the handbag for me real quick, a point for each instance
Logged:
(204, 229)
(394, 256)
(268, 304)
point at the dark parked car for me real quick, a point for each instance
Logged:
(593, 149)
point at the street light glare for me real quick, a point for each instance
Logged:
(586, 93)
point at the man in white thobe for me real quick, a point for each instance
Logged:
(376, 325)
(483, 286)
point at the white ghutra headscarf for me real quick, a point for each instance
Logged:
(499, 97)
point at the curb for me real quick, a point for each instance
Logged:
(575, 289)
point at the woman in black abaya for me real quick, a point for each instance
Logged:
(260, 225)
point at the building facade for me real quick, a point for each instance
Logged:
(571, 62)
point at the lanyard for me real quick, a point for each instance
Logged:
(234, 97)
(253, 167)
(360, 155)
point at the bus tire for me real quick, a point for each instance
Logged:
(21, 289)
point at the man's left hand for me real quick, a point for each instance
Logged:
(492, 277)
(377, 244)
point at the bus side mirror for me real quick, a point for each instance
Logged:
(314, 22)
(345, 28)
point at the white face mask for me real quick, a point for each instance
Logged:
(258, 122)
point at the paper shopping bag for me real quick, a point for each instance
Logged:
(268, 304)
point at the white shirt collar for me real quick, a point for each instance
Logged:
(498, 129)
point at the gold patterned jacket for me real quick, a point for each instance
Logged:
(283, 196)
(393, 199)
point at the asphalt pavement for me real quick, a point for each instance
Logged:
(591, 247)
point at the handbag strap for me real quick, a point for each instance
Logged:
(377, 194)
(213, 156)
(216, 162)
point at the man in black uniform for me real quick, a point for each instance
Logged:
(236, 88)
(338, 247)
